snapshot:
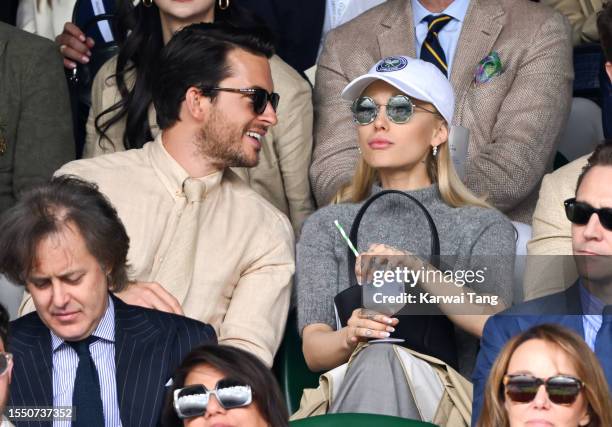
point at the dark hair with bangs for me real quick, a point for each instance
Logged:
(239, 365)
(50, 208)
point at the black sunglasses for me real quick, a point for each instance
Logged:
(561, 389)
(192, 401)
(259, 97)
(580, 213)
(399, 109)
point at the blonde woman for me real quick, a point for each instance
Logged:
(402, 109)
(546, 376)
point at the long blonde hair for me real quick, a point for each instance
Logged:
(440, 170)
(585, 362)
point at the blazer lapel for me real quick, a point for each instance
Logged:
(481, 27)
(32, 343)
(138, 365)
(397, 32)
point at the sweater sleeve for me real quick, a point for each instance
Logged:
(317, 271)
(493, 251)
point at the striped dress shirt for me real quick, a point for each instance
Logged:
(66, 360)
(592, 307)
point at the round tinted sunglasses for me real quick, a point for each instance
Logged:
(399, 109)
(5, 362)
(192, 401)
(580, 213)
(259, 97)
(561, 389)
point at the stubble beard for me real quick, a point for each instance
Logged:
(220, 142)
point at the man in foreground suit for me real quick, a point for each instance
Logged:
(515, 108)
(83, 347)
(586, 307)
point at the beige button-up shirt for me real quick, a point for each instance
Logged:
(243, 257)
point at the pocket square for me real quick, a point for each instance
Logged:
(490, 66)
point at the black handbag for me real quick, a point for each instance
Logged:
(429, 334)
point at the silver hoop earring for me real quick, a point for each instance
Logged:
(224, 4)
(435, 151)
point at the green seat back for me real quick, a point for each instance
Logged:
(357, 420)
(290, 367)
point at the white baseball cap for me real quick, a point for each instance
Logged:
(416, 78)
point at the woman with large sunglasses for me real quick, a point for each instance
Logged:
(546, 376)
(222, 385)
(402, 109)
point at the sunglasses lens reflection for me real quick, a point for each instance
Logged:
(561, 390)
(192, 401)
(233, 394)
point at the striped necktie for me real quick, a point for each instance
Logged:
(431, 51)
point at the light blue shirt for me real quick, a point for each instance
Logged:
(592, 307)
(66, 360)
(449, 35)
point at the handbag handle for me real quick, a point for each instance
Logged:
(435, 241)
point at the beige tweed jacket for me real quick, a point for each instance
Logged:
(550, 266)
(515, 119)
(281, 176)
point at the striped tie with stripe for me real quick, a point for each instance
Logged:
(431, 51)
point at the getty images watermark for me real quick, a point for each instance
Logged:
(461, 285)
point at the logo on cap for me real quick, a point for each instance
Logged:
(391, 63)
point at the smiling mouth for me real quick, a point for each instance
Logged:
(255, 138)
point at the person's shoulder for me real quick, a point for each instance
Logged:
(570, 171)
(322, 220)
(481, 217)
(361, 28)
(106, 163)
(248, 200)
(546, 305)
(24, 330)
(285, 77)
(525, 13)
(24, 40)
(167, 323)
(23, 48)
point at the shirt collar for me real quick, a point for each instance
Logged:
(457, 10)
(590, 303)
(171, 173)
(105, 329)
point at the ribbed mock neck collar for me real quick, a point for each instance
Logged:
(426, 194)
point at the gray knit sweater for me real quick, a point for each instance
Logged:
(465, 233)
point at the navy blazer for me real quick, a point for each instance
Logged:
(149, 346)
(563, 308)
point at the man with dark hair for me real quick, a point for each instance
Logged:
(214, 248)
(551, 233)
(586, 307)
(83, 347)
(6, 363)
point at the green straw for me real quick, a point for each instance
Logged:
(346, 239)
